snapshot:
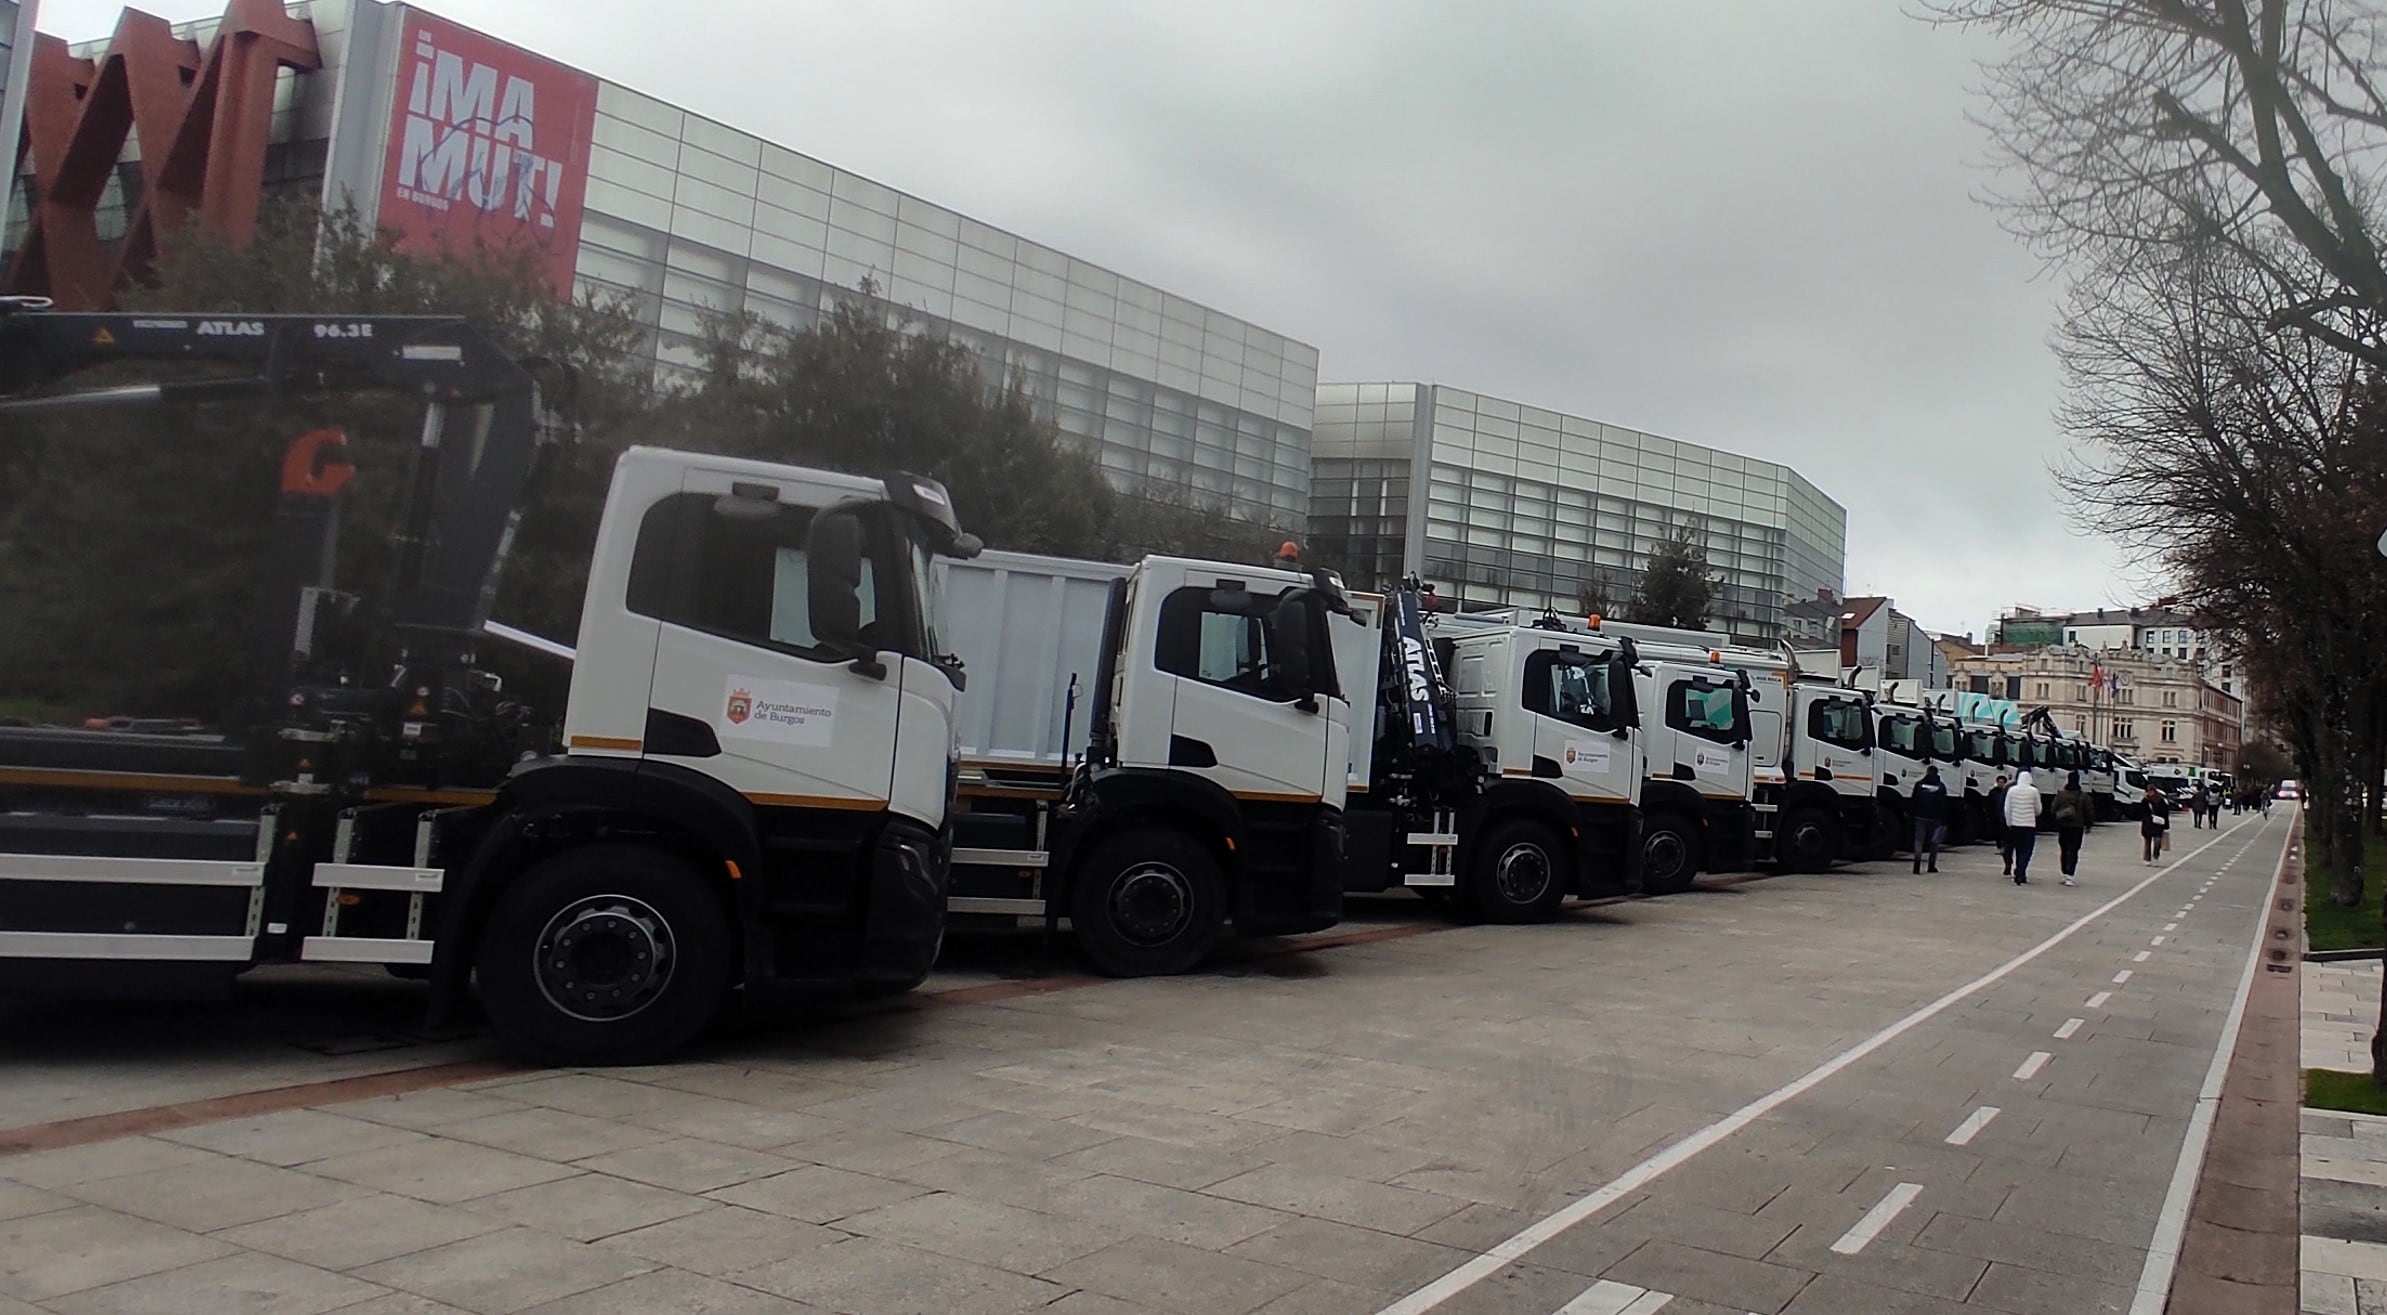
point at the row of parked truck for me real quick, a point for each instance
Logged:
(810, 727)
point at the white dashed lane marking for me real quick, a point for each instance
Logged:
(1972, 1125)
(1607, 1297)
(2071, 1025)
(2098, 1000)
(1877, 1219)
(2121, 977)
(2141, 956)
(2030, 1067)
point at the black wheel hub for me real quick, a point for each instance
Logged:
(1522, 874)
(1151, 904)
(1663, 858)
(605, 958)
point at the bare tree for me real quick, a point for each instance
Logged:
(2251, 467)
(2133, 128)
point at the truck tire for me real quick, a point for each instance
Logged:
(1806, 839)
(1670, 856)
(1149, 902)
(1888, 823)
(1520, 872)
(608, 954)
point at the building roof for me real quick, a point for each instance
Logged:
(1857, 611)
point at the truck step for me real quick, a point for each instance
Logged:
(374, 876)
(1025, 908)
(1432, 839)
(364, 949)
(126, 945)
(1763, 835)
(1001, 858)
(1429, 879)
(91, 870)
(1767, 808)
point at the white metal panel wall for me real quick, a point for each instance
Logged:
(1023, 625)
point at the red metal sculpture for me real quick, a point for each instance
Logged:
(202, 123)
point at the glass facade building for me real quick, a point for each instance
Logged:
(16, 52)
(694, 218)
(1508, 505)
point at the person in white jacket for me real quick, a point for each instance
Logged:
(2022, 824)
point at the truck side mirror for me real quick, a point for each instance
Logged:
(1287, 627)
(833, 590)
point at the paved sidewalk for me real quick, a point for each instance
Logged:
(2344, 1188)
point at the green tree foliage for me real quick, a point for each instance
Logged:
(1677, 588)
(129, 538)
(868, 392)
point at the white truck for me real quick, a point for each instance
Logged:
(1814, 776)
(1505, 787)
(754, 780)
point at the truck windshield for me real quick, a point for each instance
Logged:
(1572, 689)
(1986, 747)
(1711, 712)
(1943, 743)
(820, 583)
(1903, 735)
(1840, 721)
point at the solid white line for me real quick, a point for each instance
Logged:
(2163, 1251)
(1877, 1219)
(1972, 1125)
(1524, 1240)
(2071, 1025)
(2030, 1067)
(2141, 956)
(2121, 977)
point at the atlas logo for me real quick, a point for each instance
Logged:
(231, 329)
(741, 706)
(1421, 685)
(470, 136)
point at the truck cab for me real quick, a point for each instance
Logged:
(1908, 741)
(1705, 732)
(1552, 717)
(1210, 794)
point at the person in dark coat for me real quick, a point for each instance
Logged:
(1930, 811)
(2158, 820)
(2071, 813)
(1997, 819)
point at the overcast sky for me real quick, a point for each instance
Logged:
(1743, 223)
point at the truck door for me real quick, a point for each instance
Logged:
(1766, 728)
(1574, 714)
(1241, 719)
(784, 616)
(1839, 740)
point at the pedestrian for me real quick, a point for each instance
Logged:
(2266, 805)
(2071, 812)
(1930, 811)
(1997, 822)
(2022, 825)
(2156, 824)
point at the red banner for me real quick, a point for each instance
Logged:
(488, 147)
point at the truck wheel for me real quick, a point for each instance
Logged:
(610, 954)
(1886, 829)
(1807, 840)
(1148, 903)
(1519, 874)
(1669, 854)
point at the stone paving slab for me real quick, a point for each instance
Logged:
(1316, 1134)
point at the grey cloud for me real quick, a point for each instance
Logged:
(1740, 222)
